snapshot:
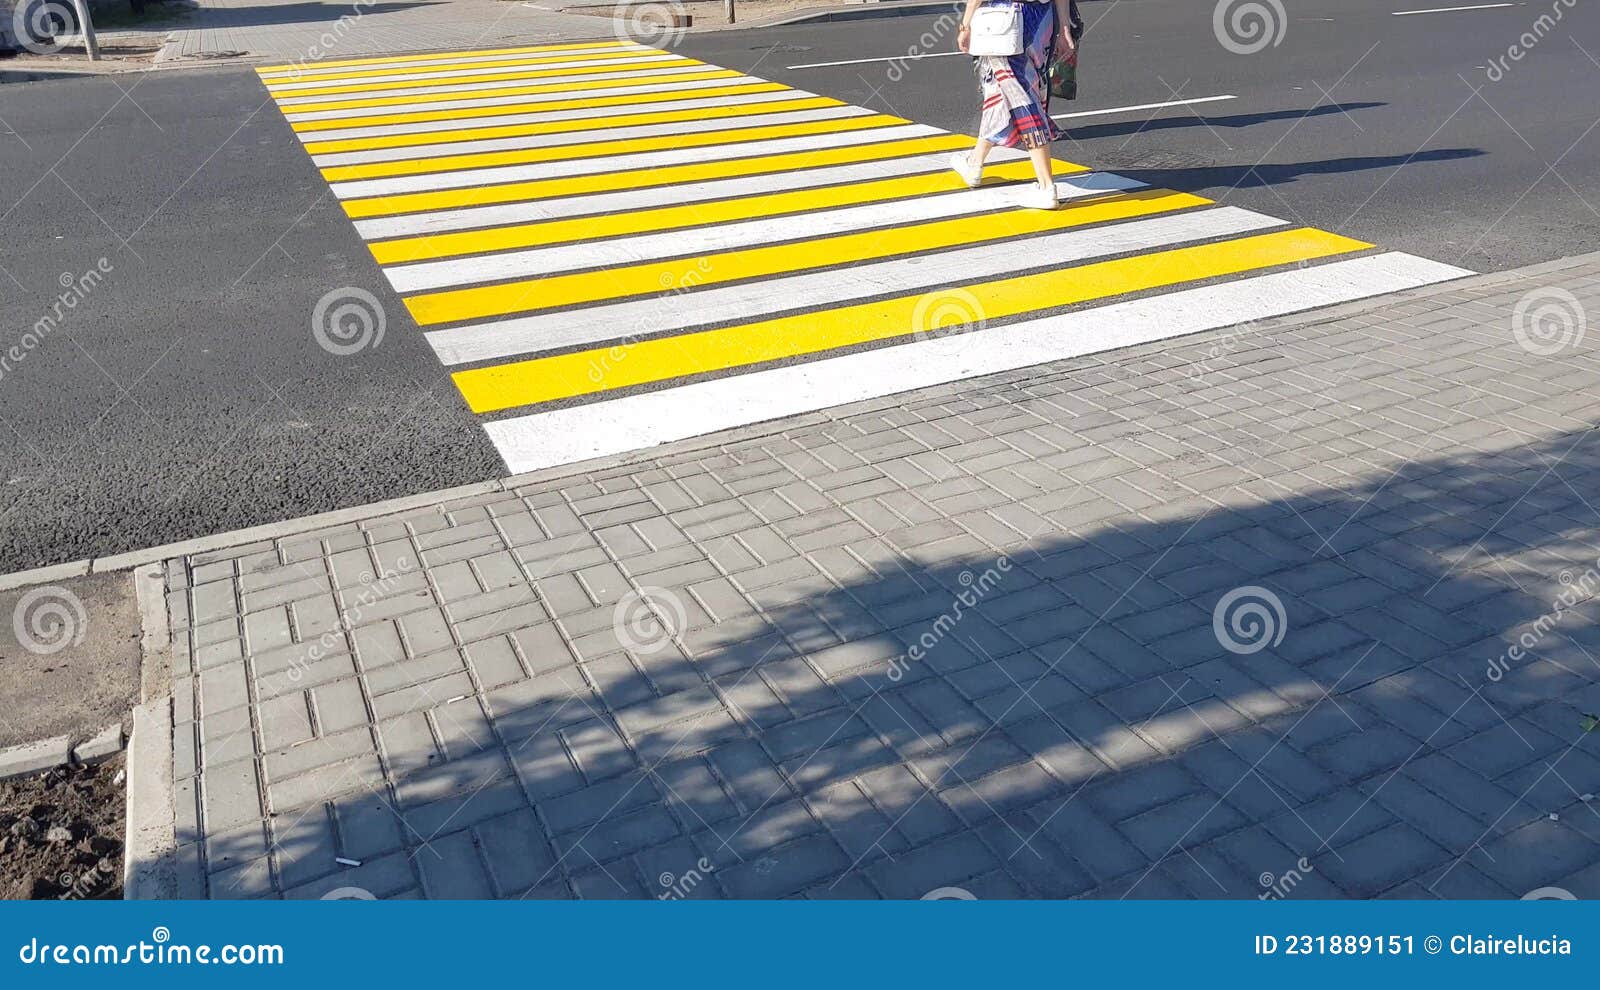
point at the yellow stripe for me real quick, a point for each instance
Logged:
(778, 259)
(593, 149)
(505, 109)
(549, 127)
(423, 73)
(431, 246)
(478, 94)
(546, 379)
(270, 70)
(487, 77)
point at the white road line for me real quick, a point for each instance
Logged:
(472, 177)
(1141, 106)
(316, 71)
(565, 436)
(416, 77)
(673, 129)
(639, 248)
(590, 204)
(756, 300)
(299, 103)
(865, 61)
(541, 116)
(512, 99)
(1451, 10)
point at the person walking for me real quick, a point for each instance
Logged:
(1016, 92)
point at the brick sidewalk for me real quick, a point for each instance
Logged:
(1232, 616)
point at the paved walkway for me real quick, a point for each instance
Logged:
(1304, 609)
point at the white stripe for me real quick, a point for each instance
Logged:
(1141, 106)
(467, 178)
(541, 116)
(1451, 10)
(290, 103)
(864, 61)
(676, 128)
(754, 300)
(488, 70)
(515, 98)
(407, 225)
(315, 71)
(598, 429)
(725, 237)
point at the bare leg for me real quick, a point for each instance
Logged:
(980, 153)
(1041, 166)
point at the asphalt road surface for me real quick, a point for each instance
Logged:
(181, 389)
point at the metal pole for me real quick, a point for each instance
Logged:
(90, 43)
(727, 5)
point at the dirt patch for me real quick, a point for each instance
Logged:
(69, 658)
(61, 834)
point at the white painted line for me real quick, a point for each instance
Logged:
(588, 204)
(473, 177)
(674, 129)
(289, 104)
(695, 241)
(541, 116)
(756, 300)
(577, 433)
(1141, 106)
(865, 61)
(296, 117)
(1451, 10)
(490, 70)
(316, 71)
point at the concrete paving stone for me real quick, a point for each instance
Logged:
(318, 616)
(230, 795)
(248, 881)
(223, 687)
(515, 620)
(394, 676)
(408, 743)
(217, 600)
(616, 882)
(304, 846)
(772, 824)
(944, 863)
(1503, 748)
(1189, 821)
(384, 877)
(1120, 797)
(494, 663)
(285, 721)
(1558, 782)
(465, 807)
(752, 701)
(585, 807)
(264, 630)
(559, 555)
(1362, 754)
(376, 645)
(423, 695)
(616, 836)
(425, 632)
(1376, 862)
(942, 706)
(515, 852)
(325, 783)
(339, 705)
(228, 848)
(599, 751)
(1442, 822)
(1498, 809)
(218, 654)
(500, 600)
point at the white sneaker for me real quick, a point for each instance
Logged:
(1037, 197)
(961, 162)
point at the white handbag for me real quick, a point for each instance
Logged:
(996, 30)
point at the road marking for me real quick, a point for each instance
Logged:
(1451, 10)
(1141, 106)
(624, 82)
(486, 74)
(865, 61)
(866, 148)
(748, 300)
(436, 57)
(514, 94)
(499, 62)
(567, 436)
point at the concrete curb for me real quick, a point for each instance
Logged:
(853, 12)
(26, 759)
(149, 861)
(408, 503)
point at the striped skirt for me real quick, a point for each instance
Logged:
(1016, 89)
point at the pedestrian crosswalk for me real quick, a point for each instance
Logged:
(612, 246)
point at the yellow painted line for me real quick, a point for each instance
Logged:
(552, 127)
(423, 73)
(663, 63)
(527, 295)
(567, 152)
(504, 109)
(477, 94)
(272, 70)
(525, 383)
(548, 232)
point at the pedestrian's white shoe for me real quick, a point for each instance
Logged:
(1037, 197)
(961, 162)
